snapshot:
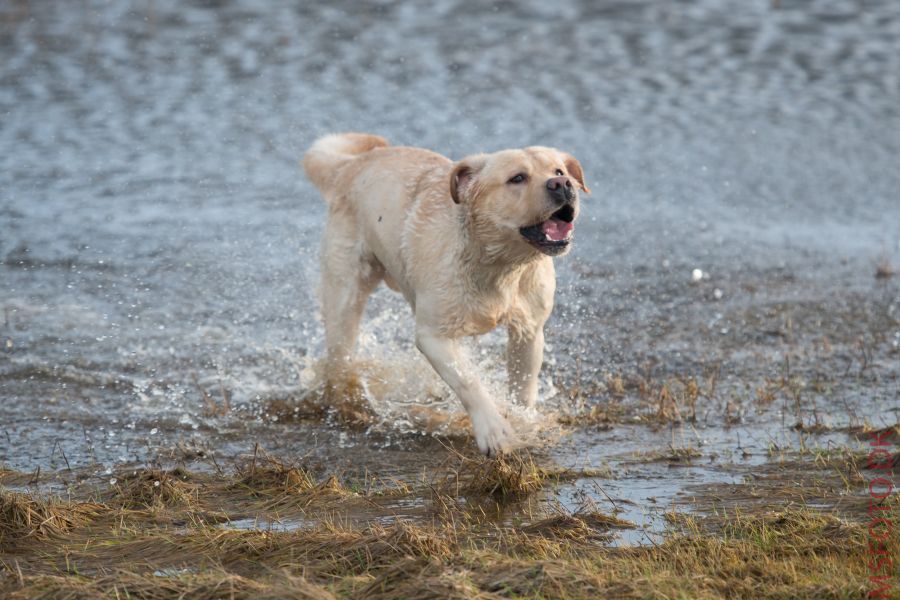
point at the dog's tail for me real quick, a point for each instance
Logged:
(327, 154)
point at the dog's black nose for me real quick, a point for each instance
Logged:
(560, 189)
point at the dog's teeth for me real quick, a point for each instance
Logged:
(547, 237)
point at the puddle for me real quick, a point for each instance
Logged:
(258, 524)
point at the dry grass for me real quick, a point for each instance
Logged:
(285, 486)
(505, 478)
(559, 535)
(674, 454)
(154, 489)
(422, 579)
(889, 434)
(582, 524)
(883, 268)
(598, 416)
(731, 550)
(508, 478)
(24, 516)
(207, 585)
(265, 475)
(653, 400)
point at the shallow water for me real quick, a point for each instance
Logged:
(159, 242)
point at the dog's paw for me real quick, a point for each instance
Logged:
(493, 433)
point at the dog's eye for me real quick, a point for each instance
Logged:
(520, 178)
(559, 172)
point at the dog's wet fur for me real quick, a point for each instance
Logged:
(468, 244)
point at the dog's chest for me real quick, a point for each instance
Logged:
(480, 322)
(485, 313)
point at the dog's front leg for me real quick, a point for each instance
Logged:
(493, 433)
(524, 356)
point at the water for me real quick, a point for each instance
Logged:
(157, 235)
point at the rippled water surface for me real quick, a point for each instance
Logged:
(158, 242)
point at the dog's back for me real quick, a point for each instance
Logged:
(372, 189)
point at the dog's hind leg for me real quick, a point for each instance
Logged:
(348, 278)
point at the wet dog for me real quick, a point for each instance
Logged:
(468, 244)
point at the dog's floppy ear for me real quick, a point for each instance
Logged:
(463, 175)
(574, 169)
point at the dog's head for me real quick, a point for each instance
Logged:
(519, 202)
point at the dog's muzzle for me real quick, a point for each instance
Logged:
(554, 235)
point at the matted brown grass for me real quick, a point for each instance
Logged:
(76, 549)
(208, 585)
(154, 489)
(507, 478)
(25, 516)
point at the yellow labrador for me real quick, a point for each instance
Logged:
(468, 244)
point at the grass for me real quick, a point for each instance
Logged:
(507, 478)
(24, 517)
(351, 547)
(154, 489)
(208, 585)
(793, 554)
(883, 268)
(636, 398)
(265, 475)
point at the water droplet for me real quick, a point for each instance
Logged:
(696, 275)
(154, 431)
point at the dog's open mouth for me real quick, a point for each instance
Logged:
(553, 235)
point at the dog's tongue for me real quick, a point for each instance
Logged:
(556, 230)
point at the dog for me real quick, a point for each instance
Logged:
(469, 245)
